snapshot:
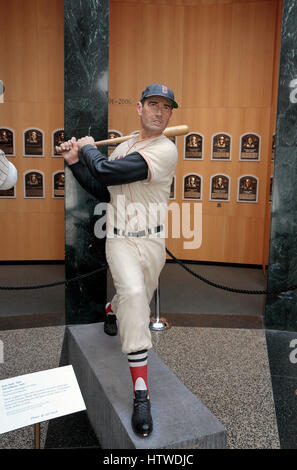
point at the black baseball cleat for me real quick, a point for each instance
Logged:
(142, 423)
(110, 325)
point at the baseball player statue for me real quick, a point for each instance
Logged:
(8, 173)
(134, 180)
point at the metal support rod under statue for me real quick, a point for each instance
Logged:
(157, 323)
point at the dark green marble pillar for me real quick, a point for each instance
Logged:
(86, 33)
(281, 310)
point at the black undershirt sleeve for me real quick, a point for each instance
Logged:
(88, 182)
(125, 170)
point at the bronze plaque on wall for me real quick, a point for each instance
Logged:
(192, 187)
(172, 188)
(58, 184)
(221, 147)
(33, 184)
(193, 146)
(7, 141)
(8, 193)
(219, 188)
(247, 189)
(273, 147)
(250, 147)
(112, 135)
(270, 188)
(58, 139)
(33, 143)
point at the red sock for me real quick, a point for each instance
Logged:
(138, 368)
(108, 308)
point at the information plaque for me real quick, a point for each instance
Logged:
(39, 396)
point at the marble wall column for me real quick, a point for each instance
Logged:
(86, 36)
(281, 310)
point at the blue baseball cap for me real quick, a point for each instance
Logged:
(159, 90)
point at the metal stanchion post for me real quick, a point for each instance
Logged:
(157, 323)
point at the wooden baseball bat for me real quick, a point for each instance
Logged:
(169, 132)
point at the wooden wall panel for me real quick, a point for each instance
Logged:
(32, 71)
(220, 58)
(228, 54)
(145, 46)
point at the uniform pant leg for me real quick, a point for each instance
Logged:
(153, 257)
(135, 265)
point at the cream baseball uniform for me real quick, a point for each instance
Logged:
(136, 252)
